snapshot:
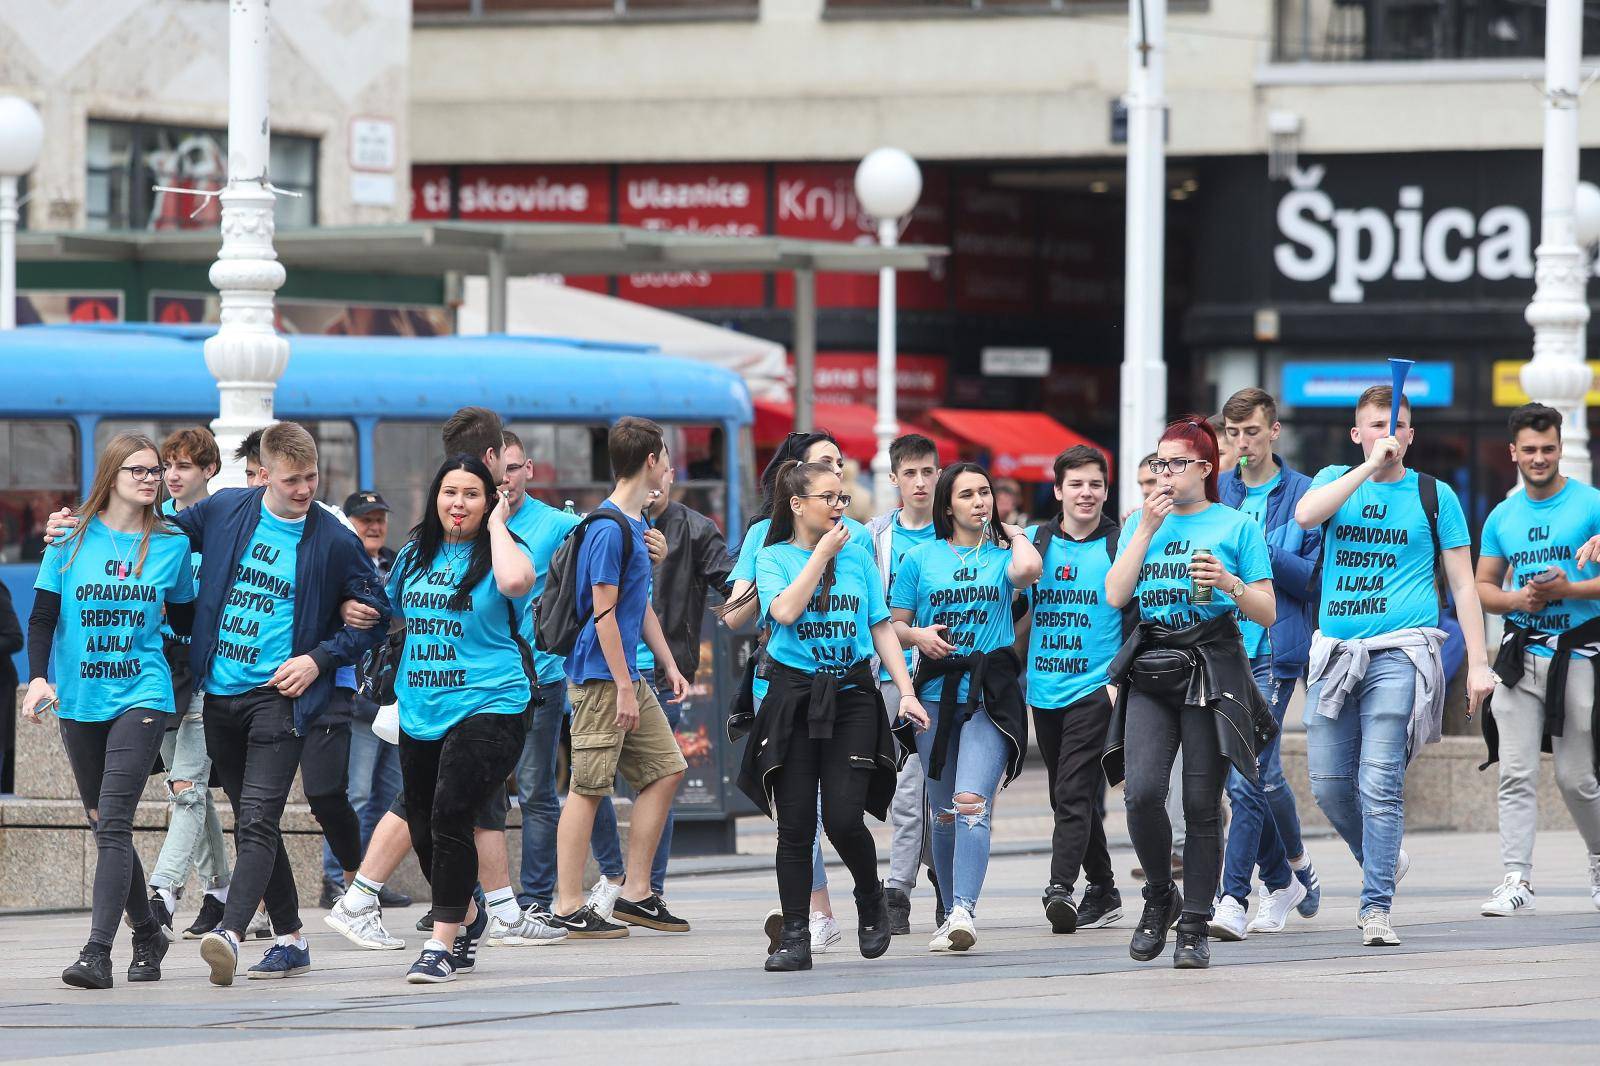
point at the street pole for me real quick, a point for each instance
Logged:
(21, 137)
(887, 426)
(1144, 370)
(805, 350)
(8, 251)
(247, 356)
(1558, 375)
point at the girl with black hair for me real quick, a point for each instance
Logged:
(961, 584)
(823, 723)
(458, 586)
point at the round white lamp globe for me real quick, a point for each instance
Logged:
(888, 182)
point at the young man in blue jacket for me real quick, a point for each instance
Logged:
(1265, 830)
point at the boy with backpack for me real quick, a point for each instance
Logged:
(1377, 684)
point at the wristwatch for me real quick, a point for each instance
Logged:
(1238, 588)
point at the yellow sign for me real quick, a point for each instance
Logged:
(1508, 384)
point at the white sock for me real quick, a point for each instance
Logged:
(362, 895)
(218, 894)
(293, 940)
(1302, 862)
(168, 898)
(503, 905)
(434, 945)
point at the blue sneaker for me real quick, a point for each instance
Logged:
(281, 960)
(433, 967)
(221, 954)
(1308, 877)
(464, 952)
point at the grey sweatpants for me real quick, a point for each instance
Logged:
(1519, 713)
(908, 814)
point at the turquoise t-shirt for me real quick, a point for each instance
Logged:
(107, 647)
(1254, 504)
(901, 541)
(456, 663)
(646, 658)
(1163, 586)
(1378, 559)
(1075, 632)
(744, 568)
(169, 508)
(966, 589)
(542, 528)
(256, 631)
(832, 635)
(1534, 535)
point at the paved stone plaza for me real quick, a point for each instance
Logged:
(1461, 989)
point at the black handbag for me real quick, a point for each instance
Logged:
(1163, 672)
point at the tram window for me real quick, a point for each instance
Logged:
(405, 456)
(336, 447)
(570, 462)
(699, 465)
(38, 475)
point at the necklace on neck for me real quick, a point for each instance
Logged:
(966, 558)
(123, 557)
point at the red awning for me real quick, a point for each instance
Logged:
(1020, 444)
(850, 424)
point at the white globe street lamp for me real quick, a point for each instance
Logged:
(21, 137)
(888, 183)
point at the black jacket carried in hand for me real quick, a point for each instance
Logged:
(697, 561)
(1219, 679)
(994, 685)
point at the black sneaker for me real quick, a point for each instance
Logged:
(163, 917)
(92, 970)
(209, 918)
(1059, 910)
(585, 924)
(899, 912)
(650, 912)
(388, 897)
(464, 952)
(1102, 905)
(1161, 912)
(330, 894)
(425, 923)
(147, 955)
(872, 923)
(1194, 950)
(433, 967)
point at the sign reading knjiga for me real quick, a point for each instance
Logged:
(1508, 391)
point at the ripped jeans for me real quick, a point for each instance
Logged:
(194, 832)
(973, 765)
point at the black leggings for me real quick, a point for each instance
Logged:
(325, 775)
(111, 762)
(447, 782)
(842, 767)
(1156, 729)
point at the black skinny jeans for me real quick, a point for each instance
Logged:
(111, 761)
(255, 752)
(842, 768)
(1156, 729)
(447, 782)
(1071, 739)
(325, 776)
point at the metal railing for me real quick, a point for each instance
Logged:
(446, 11)
(1338, 31)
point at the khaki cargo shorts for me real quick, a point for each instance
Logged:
(600, 750)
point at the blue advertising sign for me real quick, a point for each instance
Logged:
(1341, 384)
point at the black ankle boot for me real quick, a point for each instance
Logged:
(872, 923)
(1194, 950)
(794, 950)
(1162, 906)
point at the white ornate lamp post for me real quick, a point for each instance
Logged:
(1559, 313)
(21, 136)
(246, 356)
(888, 183)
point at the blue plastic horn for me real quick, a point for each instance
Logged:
(1398, 369)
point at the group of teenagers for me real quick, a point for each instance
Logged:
(898, 668)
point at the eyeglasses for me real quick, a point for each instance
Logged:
(1177, 466)
(144, 473)
(512, 468)
(832, 499)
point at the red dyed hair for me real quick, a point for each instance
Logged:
(1195, 432)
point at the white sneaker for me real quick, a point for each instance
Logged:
(532, 929)
(1401, 866)
(959, 930)
(1511, 896)
(1227, 920)
(1594, 881)
(260, 927)
(603, 897)
(1272, 912)
(364, 930)
(1377, 932)
(824, 932)
(941, 938)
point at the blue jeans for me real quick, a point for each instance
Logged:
(1358, 769)
(1266, 825)
(374, 783)
(536, 796)
(605, 841)
(974, 762)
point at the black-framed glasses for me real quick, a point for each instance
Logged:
(145, 473)
(512, 468)
(832, 499)
(1177, 466)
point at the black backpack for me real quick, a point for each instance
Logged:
(556, 623)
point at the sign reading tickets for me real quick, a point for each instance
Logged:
(713, 201)
(1508, 391)
(1341, 384)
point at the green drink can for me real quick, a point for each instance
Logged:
(1199, 593)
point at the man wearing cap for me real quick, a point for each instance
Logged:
(374, 766)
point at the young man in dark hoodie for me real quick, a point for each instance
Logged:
(1074, 635)
(1265, 830)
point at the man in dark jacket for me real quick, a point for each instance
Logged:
(1265, 830)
